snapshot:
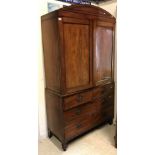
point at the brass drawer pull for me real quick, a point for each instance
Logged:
(78, 126)
(102, 101)
(79, 98)
(78, 112)
(110, 96)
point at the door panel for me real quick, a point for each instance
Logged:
(77, 55)
(103, 53)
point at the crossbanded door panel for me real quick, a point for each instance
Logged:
(77, 54)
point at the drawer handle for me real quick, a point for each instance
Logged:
(110, 96)
(78, 126)
(78, 111)
(103, 91)
(79, 98)
(103, 101)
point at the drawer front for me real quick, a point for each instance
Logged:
(103, 91)
(78, 112)
(86, 122)
(77, 127)
(78, 99)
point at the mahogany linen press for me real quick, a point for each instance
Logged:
(78, 47)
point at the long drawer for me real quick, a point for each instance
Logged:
(77, 99)
(85, 122)
(78, 126)
(84, 110)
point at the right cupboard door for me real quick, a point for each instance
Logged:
(103, 52)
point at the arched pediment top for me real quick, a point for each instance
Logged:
(88, 9)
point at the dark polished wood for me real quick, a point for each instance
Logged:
(77, 99)
(77, 55)
(50, 36)
(64, 146)
(55, 115)
(78, 60)
(50, 134)
(103, 40)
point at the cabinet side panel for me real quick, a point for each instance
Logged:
(50, 39)
(55, 115)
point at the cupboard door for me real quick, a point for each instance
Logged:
(103, 51)
(77, 54)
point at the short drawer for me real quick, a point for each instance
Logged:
(78, 112)
(103, 90)
(78, 99)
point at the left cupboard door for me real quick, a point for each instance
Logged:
(77, 51)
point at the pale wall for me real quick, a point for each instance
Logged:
(109, 6)
(42, 125)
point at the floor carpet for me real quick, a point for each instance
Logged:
(97, 142)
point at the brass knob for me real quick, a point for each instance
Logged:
(78, 126)
(78, 111)
(79, 98)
